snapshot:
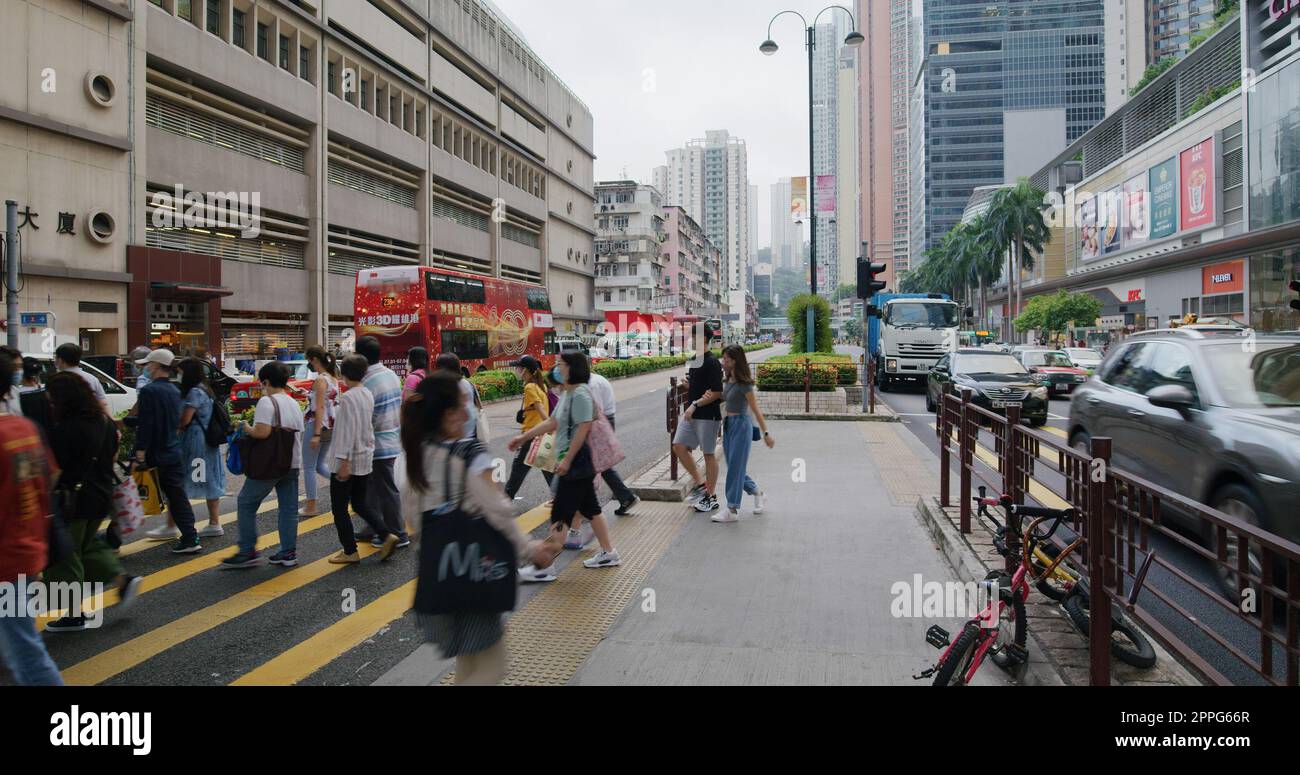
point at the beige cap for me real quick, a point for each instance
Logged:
(163, 357)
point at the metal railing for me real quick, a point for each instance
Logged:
(1130, 514)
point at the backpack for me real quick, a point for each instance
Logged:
(219, 427)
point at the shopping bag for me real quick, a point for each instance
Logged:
(128, 510)
(542, 453)
(149, 488)
(606, 452)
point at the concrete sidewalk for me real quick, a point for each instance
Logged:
(801, 594)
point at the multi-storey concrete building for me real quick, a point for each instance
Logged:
(823, 187)
(709, 179)
(901, 25)
(693, 280)
(787, 236)
(630, 232)
(384, 132)
(876, 144)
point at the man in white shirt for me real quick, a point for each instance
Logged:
(68, 358)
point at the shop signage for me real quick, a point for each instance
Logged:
(160, 326)
(1164, 199)
(1279, 8)
(34, 319)
(1198, 184)
(1223, 278)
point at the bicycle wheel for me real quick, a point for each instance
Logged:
(1013, 655)
(952, 671)
(1050, 586)
(1127, 643)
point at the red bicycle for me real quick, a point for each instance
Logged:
(1000, 630)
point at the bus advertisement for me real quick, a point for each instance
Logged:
(487, 322)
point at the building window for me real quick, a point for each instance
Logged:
(284, 51)
(238, 29)
(329, 77)
(304, 63)
(214, 17)
(263, 41)
(365, 94)
(185, 9)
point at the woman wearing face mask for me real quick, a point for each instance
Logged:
(575, 476)
(535, 410)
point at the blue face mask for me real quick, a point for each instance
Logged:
(16, 378)
(555, 372)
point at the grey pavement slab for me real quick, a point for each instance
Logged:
(799, 595)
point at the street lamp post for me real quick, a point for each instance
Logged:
(769, 47)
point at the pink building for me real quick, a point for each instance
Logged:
(692, 269)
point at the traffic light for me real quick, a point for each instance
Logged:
(868, 285)
(1295, 288)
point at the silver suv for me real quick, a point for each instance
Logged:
(1209, 413)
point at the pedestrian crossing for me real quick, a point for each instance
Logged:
(111, 655)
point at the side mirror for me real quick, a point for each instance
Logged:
(873, 311)
(1175, 397)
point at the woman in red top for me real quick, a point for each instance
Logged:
(27, 474)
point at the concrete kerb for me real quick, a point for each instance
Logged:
(1051, 633)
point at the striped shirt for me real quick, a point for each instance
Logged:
(354, 436)
(387, 417)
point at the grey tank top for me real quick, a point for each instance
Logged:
(736, 397)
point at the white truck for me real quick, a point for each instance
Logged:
(907, 334)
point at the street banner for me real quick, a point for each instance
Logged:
(1137, 211)
(1196, 168)
(1164, 199)
(825, 194)
(798, 200)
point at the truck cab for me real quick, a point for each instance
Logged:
(907, 334)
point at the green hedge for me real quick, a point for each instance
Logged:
(846, 367)
(631, 366)
(501, 383)
(789, 377)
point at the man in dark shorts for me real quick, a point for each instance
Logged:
(698, 427)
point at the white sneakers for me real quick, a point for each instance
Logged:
(212, 531)
(730, 515)
(531, 574)
(164, 533)
(760, 502)
(603, 559)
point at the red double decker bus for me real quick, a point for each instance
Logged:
(487, 322)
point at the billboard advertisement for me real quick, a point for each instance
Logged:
(1137, 211)
(1164, 199)
(1108, 219)
(825, 194)
(1089, 237)
(1197, 185)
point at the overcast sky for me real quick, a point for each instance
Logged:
(656, 74)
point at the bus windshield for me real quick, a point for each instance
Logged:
(921, 315)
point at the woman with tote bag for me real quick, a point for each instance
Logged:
(272, 456)
(469, 542)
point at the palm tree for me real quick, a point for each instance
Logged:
(1016, 218)
(987, 261)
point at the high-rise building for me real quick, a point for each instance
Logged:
(824, 186)
(876, 146)
(692, 269)
(901, 46)
(630, 232)
(378, 133)
(1005, 90)
(1173, 24)
(1128, 47)
(787, 236)
(848, 192)
(709, 179)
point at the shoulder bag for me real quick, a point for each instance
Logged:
(272, 457)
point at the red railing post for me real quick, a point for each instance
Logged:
(965, 451)
(807, 385)
(1100, 490)
(871, 382)
(672, 426)
(1010, 469)
(945, 438)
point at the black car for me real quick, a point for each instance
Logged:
(218, 380)
(998, 381)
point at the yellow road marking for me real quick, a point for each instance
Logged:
(125, 656)
(183, 570)
(352, 630)
(1040, 492)
(230, 517)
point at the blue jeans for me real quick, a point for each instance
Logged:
(250, 500)
(737, 438)
(24, 652)
(314, 461)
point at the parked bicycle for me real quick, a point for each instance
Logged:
(1001, 630)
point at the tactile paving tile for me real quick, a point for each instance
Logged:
(904, 476)
(552, 635)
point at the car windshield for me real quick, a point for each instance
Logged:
(933, 315)
(990, 363)
(1047, 359)
(1267, 377)
(1084, 355)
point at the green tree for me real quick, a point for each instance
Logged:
(788, 283)
(1052, 315)
(845, 291)
(797, 314)
(766, 309)
(1015, 218)
(853, 328)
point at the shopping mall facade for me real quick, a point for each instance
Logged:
(363, 133)
(1187, 198)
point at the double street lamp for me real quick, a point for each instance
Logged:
(769, 48)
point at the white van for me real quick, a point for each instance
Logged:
(120, 397)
